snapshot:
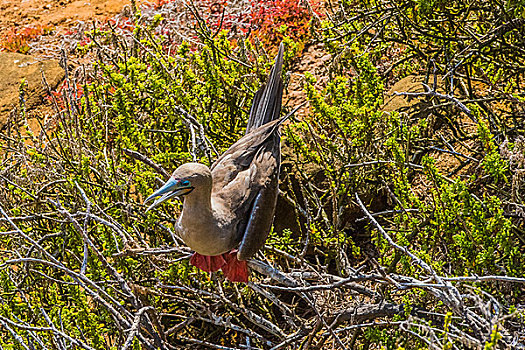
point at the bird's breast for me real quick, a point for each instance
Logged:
(206, 237)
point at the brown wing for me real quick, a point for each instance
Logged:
(246, 176)
(247, 184)
(266, 105)
(262, 209)
(240, 155)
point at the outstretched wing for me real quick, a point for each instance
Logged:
(246, 176)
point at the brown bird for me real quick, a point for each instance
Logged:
(228, 209)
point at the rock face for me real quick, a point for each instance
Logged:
(393, 102)
(411, 104)
(13, 68)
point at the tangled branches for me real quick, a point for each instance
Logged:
(305, 305)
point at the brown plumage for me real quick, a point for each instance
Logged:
(231, 205)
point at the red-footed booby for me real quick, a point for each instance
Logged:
(228, 208)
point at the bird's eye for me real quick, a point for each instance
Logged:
(185, 183)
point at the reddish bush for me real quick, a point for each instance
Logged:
(274, 19)
(268, 20)
(60, 94)
(18, 39)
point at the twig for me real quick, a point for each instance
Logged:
(430, 92)
(484, 279)
(402, 249)
(138, 156)
(133, 331)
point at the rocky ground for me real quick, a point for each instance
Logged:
(59, 14)
(54, 20)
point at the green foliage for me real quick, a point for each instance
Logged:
(455, 220)
(494, 337)
(453, 223)
(341, 125)
(492, 160)
(474, 232)
(145, 94)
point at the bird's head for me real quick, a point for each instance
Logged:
(185, 179)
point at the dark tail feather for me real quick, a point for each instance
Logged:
(267, 101)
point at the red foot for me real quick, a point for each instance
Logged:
(235, 270)
(208, 263)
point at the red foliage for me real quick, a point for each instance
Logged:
(160, 3)
(269, 20)
(60, 92)
(124, 23)
(17, 39)
(268, 17)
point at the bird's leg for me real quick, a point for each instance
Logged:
(207, 263)
(234, 269)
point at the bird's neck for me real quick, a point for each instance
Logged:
(197, 205)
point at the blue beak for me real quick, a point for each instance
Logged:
(171, 188)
